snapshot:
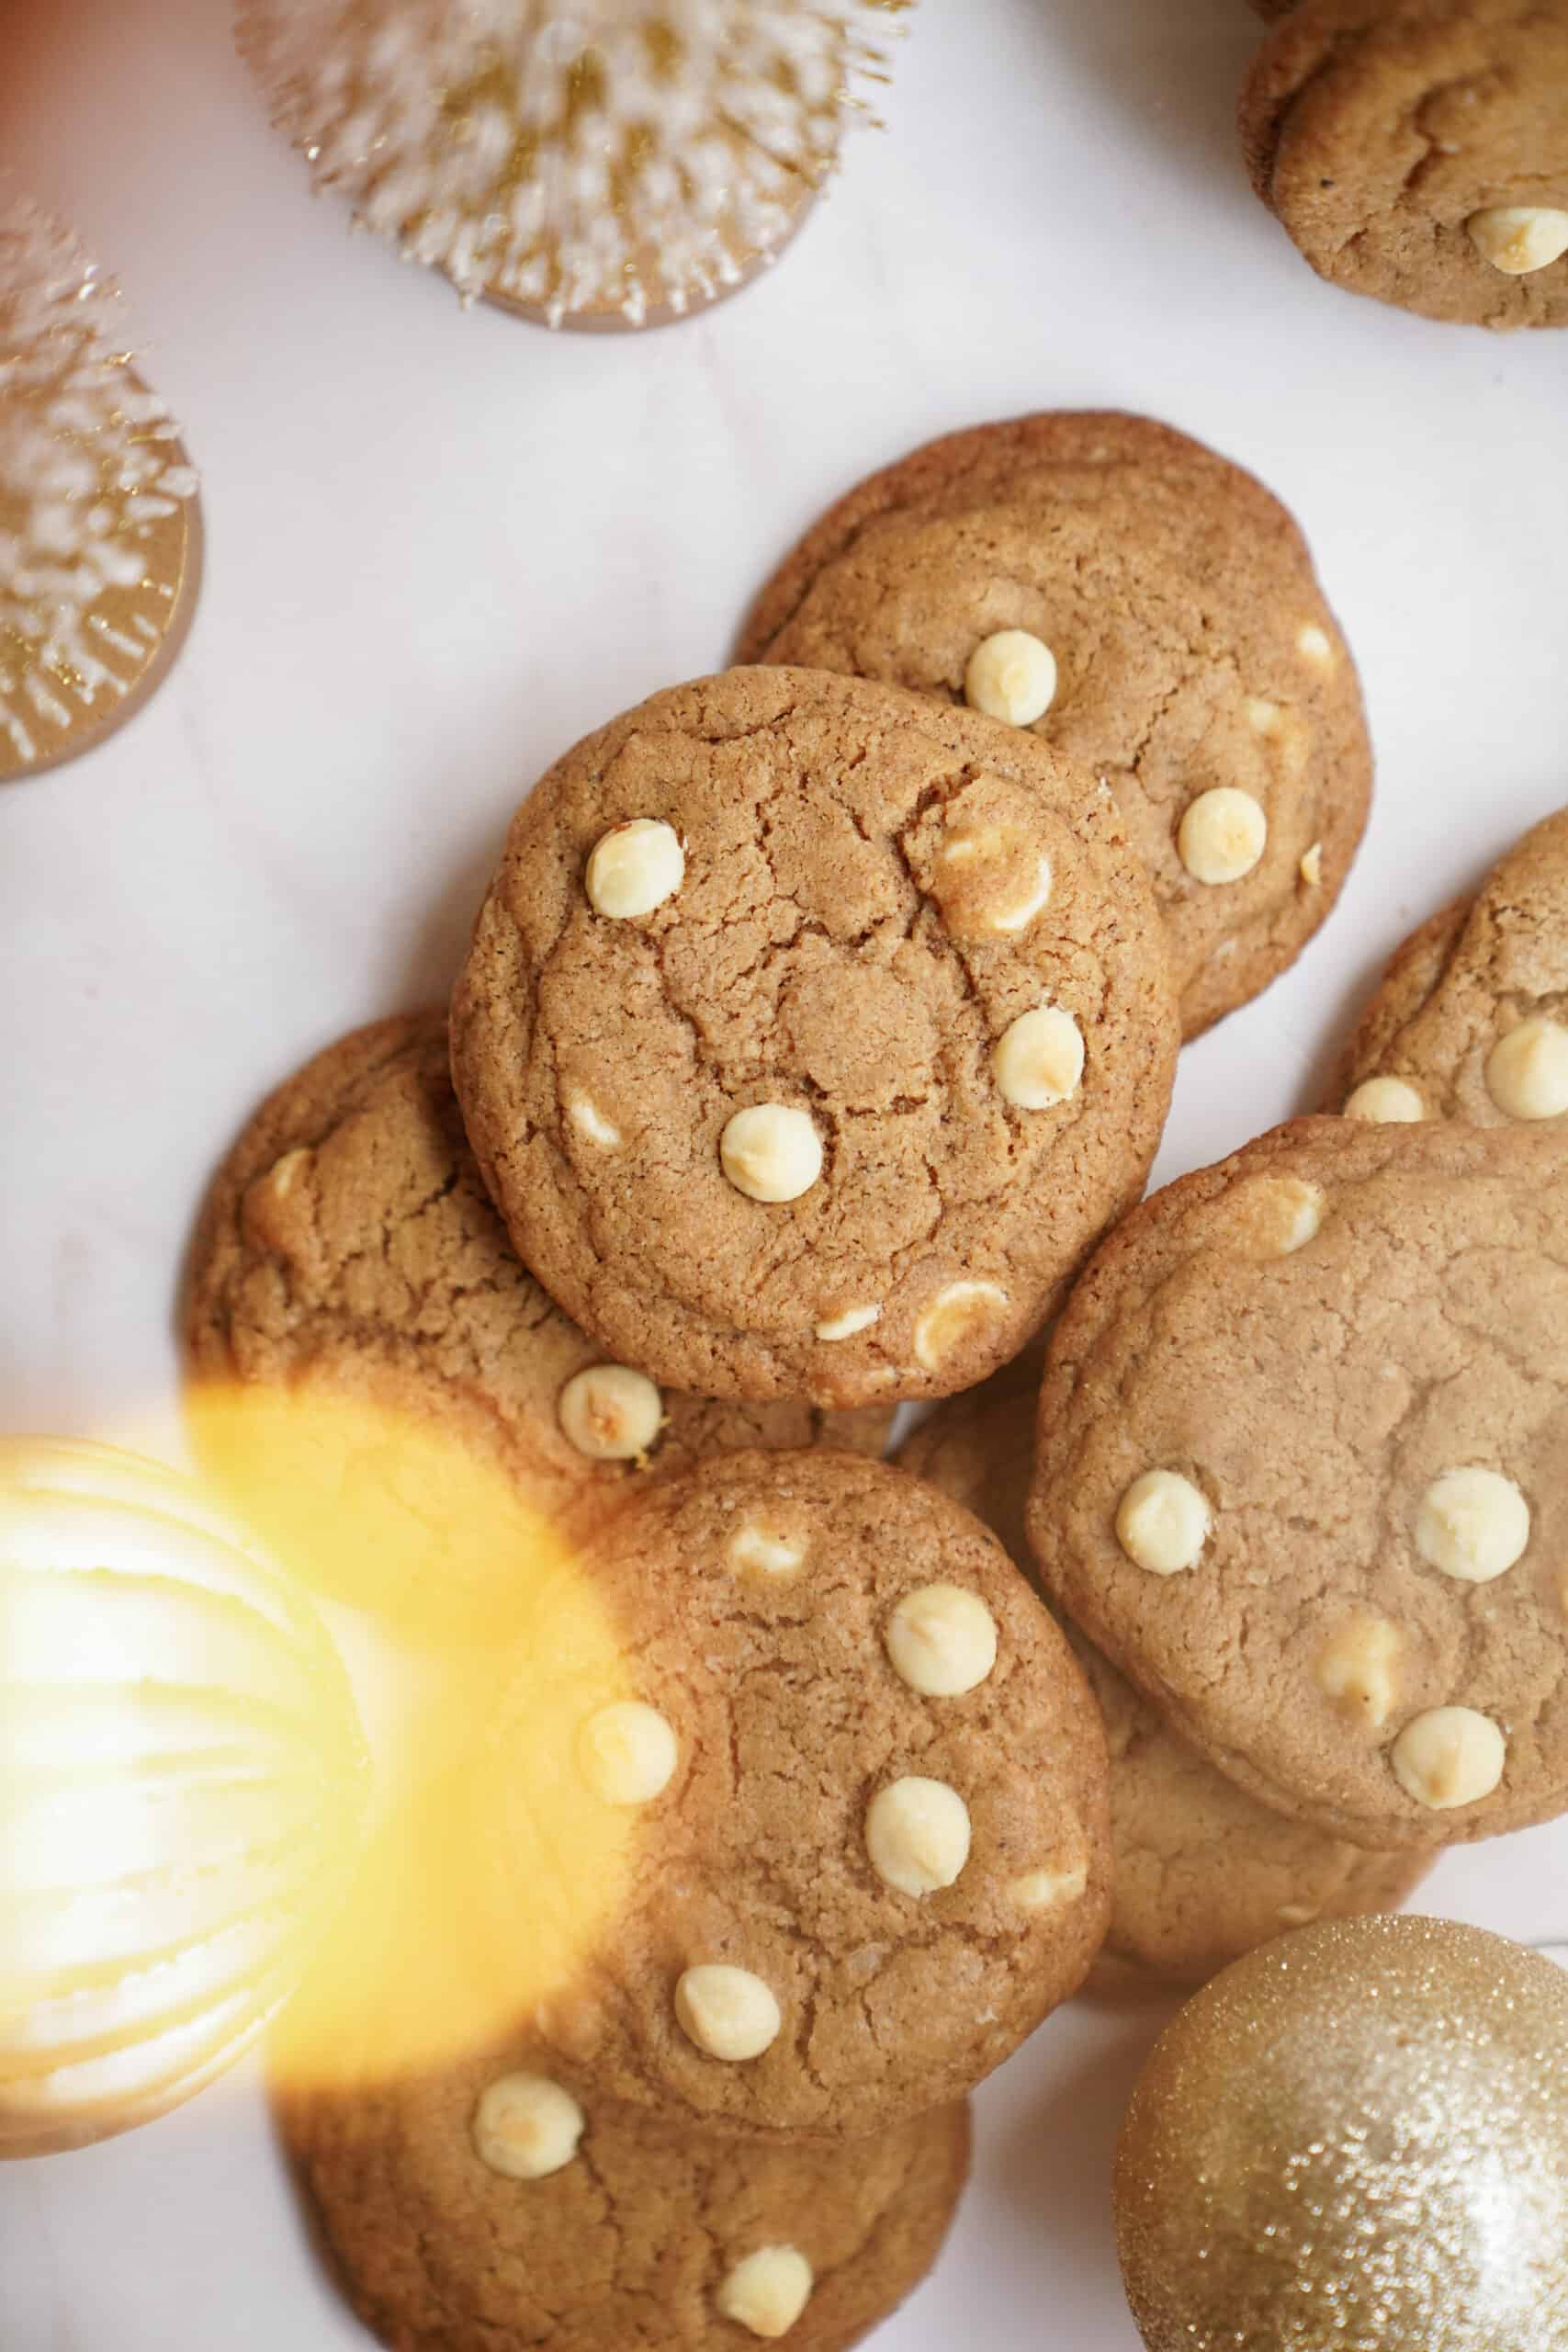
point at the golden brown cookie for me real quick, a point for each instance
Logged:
(484, 2205)
(1301, 1471)
(1418, 151)
(810, 1034)
(1145, 607)
(1202, 1872)
(868, 1790)
(1470, 1019)
(348, 1244)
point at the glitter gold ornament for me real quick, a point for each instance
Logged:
(588, 162)
(181, 1774)
(1355, 2140)
(100, 535)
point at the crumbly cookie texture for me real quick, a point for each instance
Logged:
(484, 2204)
(348, 1241)
(1371, 1636)
(782, 1135)
(866, 1880)
(1182, 651)
(1418, 151)
(1202, 1872)
(1472, 1014)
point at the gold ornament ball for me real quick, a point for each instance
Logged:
(1355, 2140)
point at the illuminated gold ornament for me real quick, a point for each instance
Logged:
(588, 162)
(1355, 2140)
(100, 535)
(181, 1791)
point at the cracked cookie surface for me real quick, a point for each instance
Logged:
(1480, 972)
(811, 1035)
(1202, 1872)
(1193, 652)
(880, 1856)
(1418, 151)
(348, 1244)
(1300, 1472)
(637, 2237)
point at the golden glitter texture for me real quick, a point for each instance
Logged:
(100, 535)
(1355, 2140)
(601, 163)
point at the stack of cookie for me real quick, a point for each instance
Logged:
(820, 1021)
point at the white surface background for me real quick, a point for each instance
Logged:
(443, 546)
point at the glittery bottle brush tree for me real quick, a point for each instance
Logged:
(586, 162)
(100, 535)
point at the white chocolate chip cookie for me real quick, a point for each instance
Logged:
(1354, 1449)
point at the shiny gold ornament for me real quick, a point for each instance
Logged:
(100, 533)
(1355, 2140)
(181, 1784)
(586, 162)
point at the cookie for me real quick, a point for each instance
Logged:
(1470, 1019)
(810, 1035)
(1302, 1446)
(348, 1245)
(1418, 151)
(868, 1790)
(485, 2204)
(1144, 606)
(1202, 1872)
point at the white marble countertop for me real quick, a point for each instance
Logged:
(443, 546)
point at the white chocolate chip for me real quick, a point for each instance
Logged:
(917, 1835)
(767, 2291)
(1263, 718)
(610, 1413)
(1276, 1215)
(1450, 1758)
(1519, 238)
(760, 1551)
(1048, 1890)
(1527, 1072)
(286, 1173)
(627, 1753)
(950, 1316)
(1315, 645)
(525, 2127)
(1038, 1059)
(726, 2012)
(941, 1640)
(587, 1117)
(1356, 1669)
(845, 1326)
(1011, 676)
(1163, 1522)
(772, 1152)
(634, 868)
(1297, 1915)
(1312, 867)
(995, 912)
(1473, 1524)
(1385, 1103)
(1223, 835)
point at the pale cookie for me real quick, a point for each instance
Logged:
(639, 2239)
(348, 1243)
(1472, 1014)
(822, 1929)
(1377, 1420)
(1418, 151)
(1202, 1872)
(869, 1113)
(1144, 606)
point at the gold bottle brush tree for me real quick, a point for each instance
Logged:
(601, 163)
